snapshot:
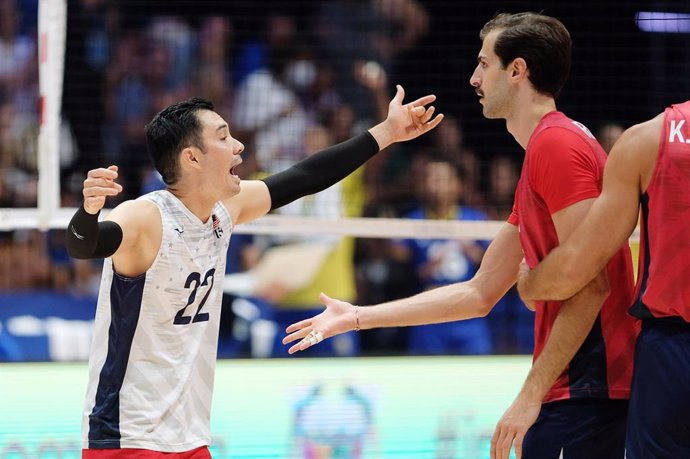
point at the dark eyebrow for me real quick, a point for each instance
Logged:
(221, 127)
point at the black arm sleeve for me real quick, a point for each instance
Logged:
(87, 238)
(321, 170)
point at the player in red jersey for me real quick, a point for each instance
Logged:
(649, 166)
(574, 401)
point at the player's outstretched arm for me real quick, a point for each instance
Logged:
(465, 300)
(327, 167)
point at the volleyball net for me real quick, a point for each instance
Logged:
(291, 78)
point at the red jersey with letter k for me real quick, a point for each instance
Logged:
(663, 286)
(564, 165)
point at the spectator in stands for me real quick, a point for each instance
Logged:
(213, 67)
(18, 57)
(267, 113)
(369, 31)
(18, 156)
(450, 139)
(512, 324)
(439, 262)
(503, 177)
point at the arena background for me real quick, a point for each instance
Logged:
(124, 60)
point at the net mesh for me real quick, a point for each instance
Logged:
(292, 77)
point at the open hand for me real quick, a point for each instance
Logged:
(408, 121)
(338, 317)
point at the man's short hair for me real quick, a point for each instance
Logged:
(542, 41)
(170, 131)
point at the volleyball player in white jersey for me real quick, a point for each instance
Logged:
(152, 362)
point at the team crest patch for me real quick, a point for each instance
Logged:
(217, 227)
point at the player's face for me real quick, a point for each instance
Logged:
(222, 154)
(490, 80)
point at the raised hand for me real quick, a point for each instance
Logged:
(408, 121)
(99, 184)
(338, 317)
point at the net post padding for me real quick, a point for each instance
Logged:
(52, 28)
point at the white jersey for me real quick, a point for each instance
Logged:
(153, 358)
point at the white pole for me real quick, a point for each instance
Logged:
(52, 27)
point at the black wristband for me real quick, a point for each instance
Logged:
(87, 238)
(321, 170)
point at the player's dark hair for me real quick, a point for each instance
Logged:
(542, 41)
(170, 131)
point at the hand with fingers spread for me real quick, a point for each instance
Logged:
(99, 184)
(513, 426)
(406, 122)
(338, 317)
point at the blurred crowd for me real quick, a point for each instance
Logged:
(289, 85)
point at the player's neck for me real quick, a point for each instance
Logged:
(527, 114)
(194, 202)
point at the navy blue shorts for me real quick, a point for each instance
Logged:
(659, 420)
(578, 429)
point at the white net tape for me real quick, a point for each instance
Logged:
(274, 224)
